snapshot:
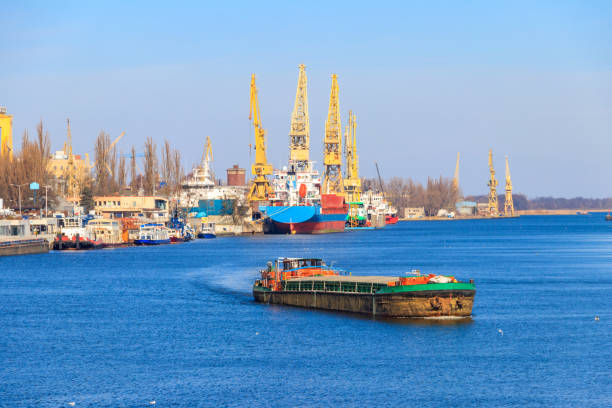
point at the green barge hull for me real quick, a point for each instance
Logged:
(372, 295)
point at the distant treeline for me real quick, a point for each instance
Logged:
(438, 193)
(521, 202)
(404, 192)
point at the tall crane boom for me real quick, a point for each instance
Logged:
(108, 150)
(207, 155)
(456, 177)
(332, 182)
(260, 188)
(72, 184)
(299, 134)
(508, 202)
(493, 209)
(352, 182)
(206, 165)
(382, 190)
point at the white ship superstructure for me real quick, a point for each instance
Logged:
(201, 184)
(375, 204)
(296, 186)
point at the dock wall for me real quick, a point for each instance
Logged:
(24, 247)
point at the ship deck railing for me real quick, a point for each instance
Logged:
(354, 286)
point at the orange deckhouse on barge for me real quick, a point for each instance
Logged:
(308, 282)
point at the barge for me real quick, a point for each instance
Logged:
(308, 282)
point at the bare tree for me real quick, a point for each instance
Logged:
(26, 166)
(133, 181)
(150, 166)
(121, 173)
(102, 166)
(177, 172)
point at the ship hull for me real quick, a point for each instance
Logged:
(410, 304)
(316, 226)
(151, 241)
(390, 220)
(328, 217)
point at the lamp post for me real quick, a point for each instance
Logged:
(46, 207)
(19, 189)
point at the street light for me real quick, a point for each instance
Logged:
(19, 188)
(46, 207)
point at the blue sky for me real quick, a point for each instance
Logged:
(531, 80)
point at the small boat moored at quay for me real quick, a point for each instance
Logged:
(107, 231)
(308, 282)
(152, 234)
(207, 230)
(75, 235)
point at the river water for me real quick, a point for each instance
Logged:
(177, 324)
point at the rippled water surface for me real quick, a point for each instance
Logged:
(177, 324)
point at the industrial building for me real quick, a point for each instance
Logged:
(152, 207)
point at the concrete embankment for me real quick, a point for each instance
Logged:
(23, 246)
(475, 217)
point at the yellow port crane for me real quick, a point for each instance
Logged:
(352, 182)
(207, 155)
(508, 203)
(493, 209)
(332, 182)
(299, 134)
(109, 148)
(455, 186)
(6, 134)
(260, 188)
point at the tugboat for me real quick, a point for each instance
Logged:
(308, 282)
(75, 235)
(356, 218)
(152, 234)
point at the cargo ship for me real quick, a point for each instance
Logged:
(298, 207)
(308, 282)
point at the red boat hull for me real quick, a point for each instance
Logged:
(389, 219)
(310, 227)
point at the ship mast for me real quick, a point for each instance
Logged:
(508, 203)
(352, 182)
(299, 134)
(260, 187)
(493, 210)
(332, 183)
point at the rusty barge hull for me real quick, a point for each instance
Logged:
(397, 303)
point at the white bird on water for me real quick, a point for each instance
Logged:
(72, 403)
(152, 402)
(500, 331)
